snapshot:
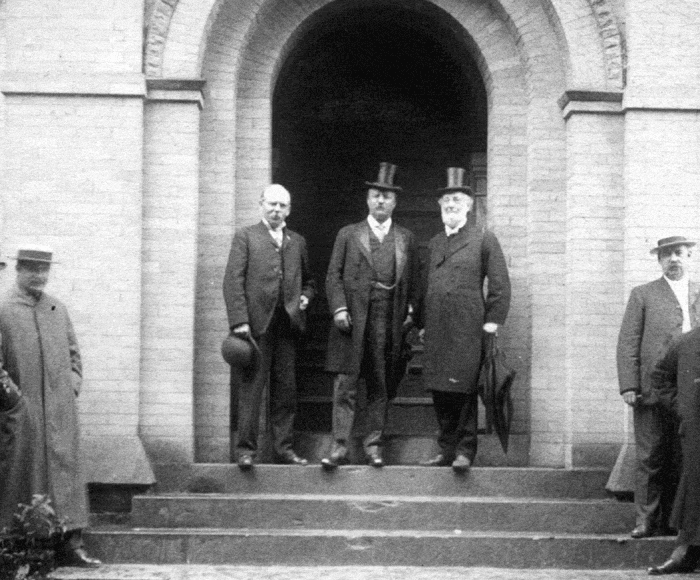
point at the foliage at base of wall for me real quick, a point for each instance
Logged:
(28, 545)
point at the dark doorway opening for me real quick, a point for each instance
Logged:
(369, 82)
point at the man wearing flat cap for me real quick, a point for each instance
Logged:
(455, 317)
(40, 362)
(372, 290)
(267, 288)
(656, 313)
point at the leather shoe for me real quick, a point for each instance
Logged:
(439, 460)
(642, 531)
(335, 459)
(678, 564)
(292, 459)
(671, 567)
(245, 462)
(461, 464)
(77, 558)
(374, 458)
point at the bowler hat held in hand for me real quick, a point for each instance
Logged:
(241, 353)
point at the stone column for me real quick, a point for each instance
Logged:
(595, 416)
(170, 216)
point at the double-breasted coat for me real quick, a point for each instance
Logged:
(40, 447)
(252, 278)
(455, 308)
(676, 382)
(348, 285)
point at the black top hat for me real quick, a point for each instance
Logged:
(242, 354)
(385, 180)
(670, 242)
(455, 182)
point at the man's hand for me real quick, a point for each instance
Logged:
(303, 302)
(631, 398)
(421, 334)
(242, 330)
(342, 320)
(490, 327)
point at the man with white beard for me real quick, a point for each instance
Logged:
(456, 317)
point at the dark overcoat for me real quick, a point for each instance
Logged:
(676, 382)
(348, 285)
(653, 318)
(252, 278)
(40, 450)
(455, 308)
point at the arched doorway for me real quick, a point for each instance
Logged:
(371, 83)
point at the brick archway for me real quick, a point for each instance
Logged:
(238, 46)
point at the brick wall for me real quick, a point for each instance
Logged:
(73, 111)
(73, 115)
(73, 36)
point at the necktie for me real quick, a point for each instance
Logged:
(380, 232)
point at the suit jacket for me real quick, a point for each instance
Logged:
(652, 319)
(676, 382)
(252, 278)
(455, 308)
(348, 285)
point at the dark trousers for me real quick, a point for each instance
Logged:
(375, 361)
(278, 349)
(458, 418)
(657, 464)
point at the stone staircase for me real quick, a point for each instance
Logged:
(396, 516)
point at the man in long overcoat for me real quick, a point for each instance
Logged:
(40, 453)
(455, 316)
(372, 290)
(675, 381)
(267, 288)
(656, 313)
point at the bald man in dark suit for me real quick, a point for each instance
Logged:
(267, 288)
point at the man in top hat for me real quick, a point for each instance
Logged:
(267, 289)
(656, 313)
(455, 316)
(40, 356)
(372, 290)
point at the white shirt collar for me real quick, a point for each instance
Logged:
(678, 284)
(449, 231)
(375, 225)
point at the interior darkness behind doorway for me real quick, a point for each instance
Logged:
(376, 83)
(371, 82)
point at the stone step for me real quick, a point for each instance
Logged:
(262, 572)
(381, 512)
(408, 481)
(339, 547)
(400, 449)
